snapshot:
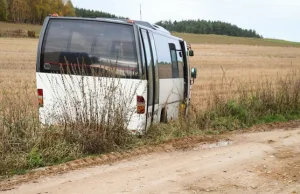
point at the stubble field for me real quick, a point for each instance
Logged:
(17, 62)
(219, 67)
(224, 68)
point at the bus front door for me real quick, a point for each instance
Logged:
(185, 72)
(152, 77)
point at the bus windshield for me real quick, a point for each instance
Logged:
(90, 48)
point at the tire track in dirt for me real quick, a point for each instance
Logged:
(172, 145)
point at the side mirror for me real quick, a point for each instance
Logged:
(191, 53)
(194, 73)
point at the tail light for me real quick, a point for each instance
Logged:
(131, 21)
(40, 97)
(182, 108)
(140, 107)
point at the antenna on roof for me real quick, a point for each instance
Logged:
(141, 12)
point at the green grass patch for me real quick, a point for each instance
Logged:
(236, 115)
(219, 39)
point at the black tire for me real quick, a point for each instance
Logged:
(164, 116)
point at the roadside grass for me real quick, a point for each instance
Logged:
(23, 143)
(264, 102)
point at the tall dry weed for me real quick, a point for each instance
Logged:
(21, 135)
(94, 105)
(264, 101)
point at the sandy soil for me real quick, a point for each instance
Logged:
(261, 162)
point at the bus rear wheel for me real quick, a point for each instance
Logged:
(164, 116)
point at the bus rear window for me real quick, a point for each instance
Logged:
(89, 48)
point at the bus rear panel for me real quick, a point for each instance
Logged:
(87, 68)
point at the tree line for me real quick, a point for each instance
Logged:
(208, 27)
(33, 11)
(80, 12)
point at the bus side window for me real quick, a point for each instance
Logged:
(175, 71)
(180, 64)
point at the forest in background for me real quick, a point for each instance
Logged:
(208, 27)
(35, 11)
(80, 12)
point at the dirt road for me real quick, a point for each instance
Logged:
(267, 162)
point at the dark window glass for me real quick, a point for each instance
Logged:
(175, 72)
(179, 58)
(89, 47)
(180, 63)
(164, 57)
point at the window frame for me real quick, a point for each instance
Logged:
(45, 34)
(175, 68)
(163, 53)
(148, 65)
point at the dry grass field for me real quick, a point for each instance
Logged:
(17, 61)
(4, 26)
(219, 66)
(25, 145)
(17, 72)
(223, 67)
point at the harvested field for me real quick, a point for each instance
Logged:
(221, 68)
(218, 65)
(16, 30)
(17, 62)
(224, 67)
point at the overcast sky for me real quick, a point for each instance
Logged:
(271, 18)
